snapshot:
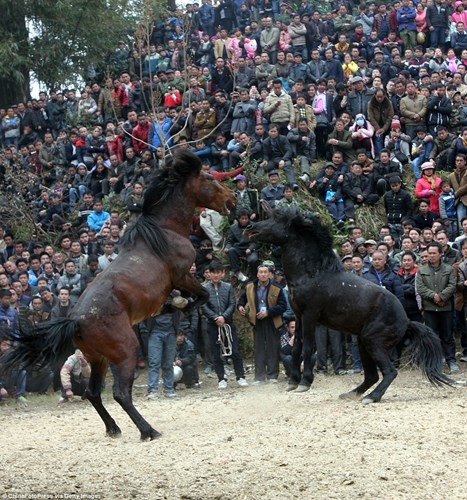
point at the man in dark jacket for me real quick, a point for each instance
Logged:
(359, 97)
(437, 19)
(382, 275)
(185, 360)
(222, 334)
(397, 202)
(357, 189)
(239, 245)
(439, 109)
(278, 154)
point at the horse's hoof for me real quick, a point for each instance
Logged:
(368, 401)
(113, 433)
(349, 395)
(291, 387)
(179, 302)
(303, 388)
(150, 435)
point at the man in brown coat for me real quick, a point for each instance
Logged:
(205, 121)
(413, 109)
(458, 181)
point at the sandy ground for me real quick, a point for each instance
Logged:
(252, 443)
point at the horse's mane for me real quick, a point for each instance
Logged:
(312, 230)
(163, 184)
(161, 189)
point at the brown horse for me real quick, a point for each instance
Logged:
(155, 258)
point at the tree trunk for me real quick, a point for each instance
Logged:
(14, 79)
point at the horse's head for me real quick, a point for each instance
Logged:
(274, 230)
(212, 194)
(183, 182)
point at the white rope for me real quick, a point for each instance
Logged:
(224, 339)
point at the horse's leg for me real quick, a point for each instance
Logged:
(189, 284)
(124, 353)
(309, 347)
(294, 379)
(370, 372)
(381, 355)
(93, 394)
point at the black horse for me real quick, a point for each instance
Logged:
(321, 292)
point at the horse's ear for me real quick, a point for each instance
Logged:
(186, 163)
(267, 209)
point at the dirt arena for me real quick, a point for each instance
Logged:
(253, 443)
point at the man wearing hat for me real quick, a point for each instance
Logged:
(380, 64)
(274, 190)
(358, 97)
(397, 202)
(330, 192)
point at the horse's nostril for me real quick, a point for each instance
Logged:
(249, 227)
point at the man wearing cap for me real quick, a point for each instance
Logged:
(359, 97)
(274, 190)
(397, 202)
(330, 192)
(380, 64)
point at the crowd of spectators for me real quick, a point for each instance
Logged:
(259, 91)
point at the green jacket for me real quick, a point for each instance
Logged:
(428, 283)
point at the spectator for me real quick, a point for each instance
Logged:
(266, 303)
(74, 377)
(222, 334)
(436, 284)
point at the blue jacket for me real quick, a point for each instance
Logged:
(207, 15)
(10, 314)
(96, 220)
(387, 279)
(158, 133)
(406, 19)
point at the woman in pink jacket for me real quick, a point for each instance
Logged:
(428, 186)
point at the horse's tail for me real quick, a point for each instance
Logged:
(47, 344)
(427, 354)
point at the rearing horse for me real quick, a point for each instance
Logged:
(321, 292)
(155, 257)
